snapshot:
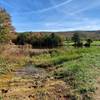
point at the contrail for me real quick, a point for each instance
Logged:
(43, 10)
(56, 6)
(49, 8)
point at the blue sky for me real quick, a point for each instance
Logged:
(53, 15)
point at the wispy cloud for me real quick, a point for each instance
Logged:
(85, 8)
(55, 6)
(48, 8)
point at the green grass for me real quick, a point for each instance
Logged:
(55, 58)
(79, 66)
(96, 43)
(81, 73)
(70, 43)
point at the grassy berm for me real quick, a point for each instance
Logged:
(64, 73)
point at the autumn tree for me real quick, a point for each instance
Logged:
(6, 28)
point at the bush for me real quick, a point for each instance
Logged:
(80, 44)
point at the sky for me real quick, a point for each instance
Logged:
(53, 15)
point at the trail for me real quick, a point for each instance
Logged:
(97, 93)
(31, 83)
(23, 83)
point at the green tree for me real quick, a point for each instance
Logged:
(77, 41)
(88, 43)
(22, 39)
(76, 38)
(53, 40)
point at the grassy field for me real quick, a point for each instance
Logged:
(70, 43)
(68, 72)
(96, 43)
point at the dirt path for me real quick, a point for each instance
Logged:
(23, 82)
(31, 83)
(97, 93)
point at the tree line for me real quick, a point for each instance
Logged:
(39, 40)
